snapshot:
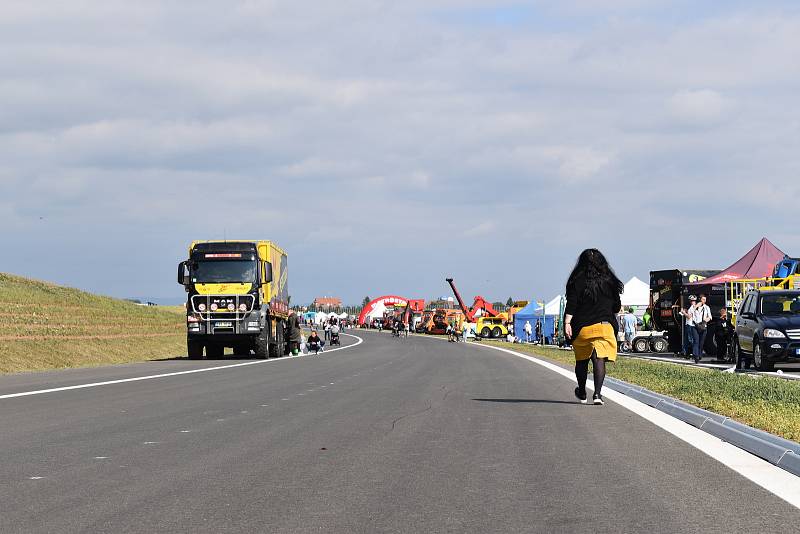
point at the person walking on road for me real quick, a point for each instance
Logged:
(593, 299)
(528, 331)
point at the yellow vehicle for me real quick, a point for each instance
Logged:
(491, 326)
(238, 297)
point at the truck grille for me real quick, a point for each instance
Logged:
(793, 334)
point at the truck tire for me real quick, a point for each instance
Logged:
(640, 344)
(194, 349)
(659, 345)
(497, 332)
(262, 347)
(215, 351)
(485, 332)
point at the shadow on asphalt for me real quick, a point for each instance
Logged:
(532, 401)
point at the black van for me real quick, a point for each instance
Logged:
(768, 328)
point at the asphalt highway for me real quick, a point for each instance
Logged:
(392, 435)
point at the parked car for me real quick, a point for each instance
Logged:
(768, 328)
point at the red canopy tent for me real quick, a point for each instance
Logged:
(758, 263)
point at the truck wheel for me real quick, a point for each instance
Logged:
(485, 332)
(194, 349)
(496, 332)
(758, 358)
(215, 351)
(659, 345)
(640, 345)
(262, 348)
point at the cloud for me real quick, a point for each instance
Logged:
(367, 129)
(700, 107)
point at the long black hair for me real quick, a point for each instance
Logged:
(600, 277)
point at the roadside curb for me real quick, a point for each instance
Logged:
(774, 449)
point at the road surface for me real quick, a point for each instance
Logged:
(409, 435)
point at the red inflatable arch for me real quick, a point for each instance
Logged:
(385, 300)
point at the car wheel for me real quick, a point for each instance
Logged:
(496, 332)
(485, 332)
(758, 358)
(640, 345)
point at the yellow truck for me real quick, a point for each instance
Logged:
(237, 297)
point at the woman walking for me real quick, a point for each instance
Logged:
(590, 320)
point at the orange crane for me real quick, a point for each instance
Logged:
(480, 303)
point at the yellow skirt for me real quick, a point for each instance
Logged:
(595, 338)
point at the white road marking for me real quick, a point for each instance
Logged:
(185, 431)
(35, 478)
(243, 411)
(101, 457)
(770, 477)
(264, 405)
(221, 419)
(300, 394)
(162, 375)
(152, 442)
(284, 399)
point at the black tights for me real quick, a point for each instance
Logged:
(598, 369)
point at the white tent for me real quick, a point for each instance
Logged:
(551, 308)
(636, 294)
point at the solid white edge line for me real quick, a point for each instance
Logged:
(762, 473)
(164, 375)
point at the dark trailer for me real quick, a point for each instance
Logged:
(669, 293)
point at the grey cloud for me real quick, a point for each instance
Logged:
(362, 131)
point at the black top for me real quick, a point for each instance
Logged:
(586, 312)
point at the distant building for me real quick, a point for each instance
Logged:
(327, 302)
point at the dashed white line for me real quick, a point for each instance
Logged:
(35, 478)
(152, 442)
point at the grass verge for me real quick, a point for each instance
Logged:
(763, 402)
(45, 326)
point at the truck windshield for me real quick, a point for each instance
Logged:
(219, 272)
(780, 304)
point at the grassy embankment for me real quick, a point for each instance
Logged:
(45, 326)
(771, 404)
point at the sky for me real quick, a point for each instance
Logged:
(388, 145)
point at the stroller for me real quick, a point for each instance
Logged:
(335, 336)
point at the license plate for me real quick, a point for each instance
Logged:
(224, 325)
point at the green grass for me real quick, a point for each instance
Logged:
(764, 402)
(45, 326)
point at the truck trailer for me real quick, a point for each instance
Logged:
(237, 297)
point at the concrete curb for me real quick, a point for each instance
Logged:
(774, 449)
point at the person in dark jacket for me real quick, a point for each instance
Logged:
(294, 334)
(723, 333)
(593, 300)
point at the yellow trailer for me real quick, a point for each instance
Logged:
(237, 297)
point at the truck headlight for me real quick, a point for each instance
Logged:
(242, 307)
(772, 333)
(201, 307)
(214, 307)
(231, 306)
